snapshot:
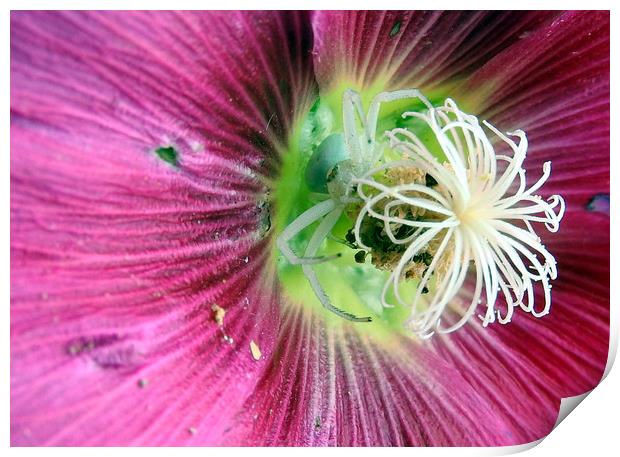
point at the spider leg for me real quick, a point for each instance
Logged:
(383, 97)
(352, 103)
(304, 220)
(342, 241)
(324, 228)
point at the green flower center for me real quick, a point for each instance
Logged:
(420, 187)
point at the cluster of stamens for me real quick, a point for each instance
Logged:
(465, 218)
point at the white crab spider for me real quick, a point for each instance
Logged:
(336, 163)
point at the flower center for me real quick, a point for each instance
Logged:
(433, 217)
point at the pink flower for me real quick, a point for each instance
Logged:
(147, 158)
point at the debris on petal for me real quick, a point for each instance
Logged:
(255, 350)
(218, 314)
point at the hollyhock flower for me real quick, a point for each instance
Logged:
(156, 158)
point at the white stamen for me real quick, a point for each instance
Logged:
(484, 212)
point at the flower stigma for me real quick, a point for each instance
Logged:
(438, 203)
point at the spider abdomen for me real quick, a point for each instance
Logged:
(323, 162)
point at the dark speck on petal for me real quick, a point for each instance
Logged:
(107, 351)
(599, 204)
(395, 28)
(86, 344)
(168, 154)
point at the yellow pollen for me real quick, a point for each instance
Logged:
(218, 314)
(387, 260)
(256, 353)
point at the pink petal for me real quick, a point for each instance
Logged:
(336, 385)
(419, 49)
(529, 365)
(339, 386)
(117, 255)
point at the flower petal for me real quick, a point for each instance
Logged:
(529, 365)
(337, 386)
(421, 49)
(138, 141)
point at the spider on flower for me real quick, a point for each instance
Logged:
(331, 171)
